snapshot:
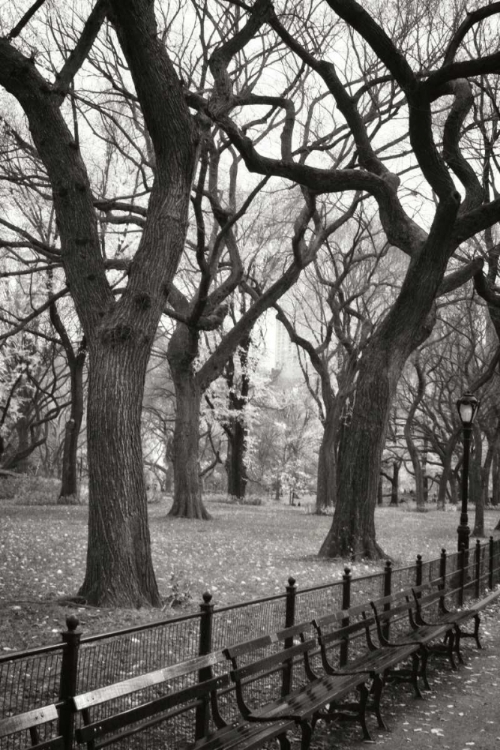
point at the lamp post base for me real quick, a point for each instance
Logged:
(463, 532)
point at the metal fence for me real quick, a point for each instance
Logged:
(41, 676)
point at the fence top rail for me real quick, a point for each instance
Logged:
(136, 628)
(249, 603)
(32, 652)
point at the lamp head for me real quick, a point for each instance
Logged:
(467, 407)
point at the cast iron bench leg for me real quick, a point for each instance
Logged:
(284, 742)
(457, 644)
(377, 687)
(477, 622)
(307, 733)
(451, 649)
(423, 671)
(363, 700)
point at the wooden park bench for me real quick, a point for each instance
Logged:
(31, 722)
(399, 612)
(107, 720)
(321, 691)
(358, 634)
(431, 608)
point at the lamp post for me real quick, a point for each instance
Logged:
(467, 407)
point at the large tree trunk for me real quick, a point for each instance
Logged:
(119, 331)
(407, 325)
(236, 428)
(182, 352)
(495, 498)
(69, 483)
(236, 469)
(418, 468)
(396, 466)
(352, 534)
(326, 487)
(119, 566)
(447, 473)
(475, 483)
(425, 478)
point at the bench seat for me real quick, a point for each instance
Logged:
(32, 721)
(401, 608)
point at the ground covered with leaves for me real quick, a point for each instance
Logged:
(460, 713)
(243, 553)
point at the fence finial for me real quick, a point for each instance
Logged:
(72, 622)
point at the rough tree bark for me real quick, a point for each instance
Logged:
(495, 477)
(418, 469)
(76, 361)
(69, 478)
(447, 473)
(476, 494)
(396, 466)
(326, 486)
(235, 428)
(181, 354)
(119, 333)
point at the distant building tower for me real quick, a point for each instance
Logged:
(286, 357)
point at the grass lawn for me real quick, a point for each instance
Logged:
(244, 553)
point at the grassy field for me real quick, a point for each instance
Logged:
(245, 552)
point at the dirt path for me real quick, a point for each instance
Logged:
(462, 712)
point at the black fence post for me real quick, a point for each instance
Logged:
(418, 571)
(461, 567)
(68, 681)
(346, 603)
(491, 567)
(478, 568)
(387, 592)
(291, 593)
(442, 567)
(202, 721)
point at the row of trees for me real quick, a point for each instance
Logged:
(194, 161)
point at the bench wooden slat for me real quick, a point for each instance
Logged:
(152, 708)
(340, 634)
(246, 646)
(342, 614)
(57, 743)
(233, 736)
(132, 685)
(269, 661)
(29, 719)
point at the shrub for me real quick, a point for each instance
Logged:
(37, 491)
(233, 500)
(9, 487)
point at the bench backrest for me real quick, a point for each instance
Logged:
(147, 712)
(32, 721)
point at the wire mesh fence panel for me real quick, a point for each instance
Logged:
(403, 578)
(496, 562)
(431, 570)
(232, 625)
(484, 568)
(367, 588)
(453, 579)
(30, 682)
(104, 661)
(316, 602)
